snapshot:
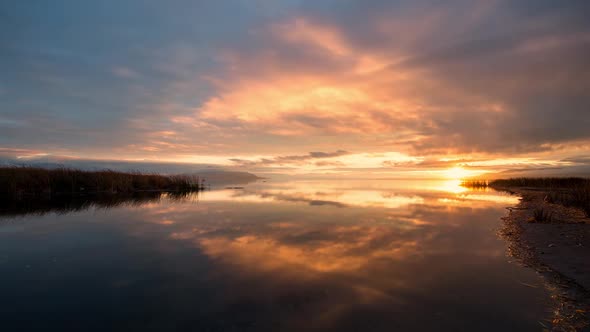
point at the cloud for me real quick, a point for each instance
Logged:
(292, 159)
(447, 83)
(125, 72)
(481, 79)
(577, 160)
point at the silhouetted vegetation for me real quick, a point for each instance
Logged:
(61, 204)
(569, 192)
(26, 181)
(571, 182)
(575, 197)
(65, 204)
(476, 184)
(542, 215)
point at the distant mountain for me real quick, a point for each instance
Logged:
(51, 162)
(218, 177)
(212, 174)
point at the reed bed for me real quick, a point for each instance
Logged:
(551, 183)
(476, 184)
(20, 181)
(569, 192)
(570, 182)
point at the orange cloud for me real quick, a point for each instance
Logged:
(366, 94)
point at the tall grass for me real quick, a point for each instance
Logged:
(476, 184)
(576, 197)
(568, 183)
(571, 182)
(19, 181)
(572, 191)
(542, 215)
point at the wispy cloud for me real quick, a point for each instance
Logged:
(292, 159)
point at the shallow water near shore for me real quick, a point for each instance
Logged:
(307, 255)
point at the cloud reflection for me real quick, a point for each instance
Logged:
(259, 256)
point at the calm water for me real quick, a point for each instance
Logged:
(317, 255)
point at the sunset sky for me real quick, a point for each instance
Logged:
(423, 88)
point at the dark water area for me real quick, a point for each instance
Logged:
(290, 256)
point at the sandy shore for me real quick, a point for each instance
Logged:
(558, 248)
(562, 244)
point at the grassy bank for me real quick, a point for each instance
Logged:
(569, 192)
(22, 181)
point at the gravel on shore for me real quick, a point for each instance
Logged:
(558, 247)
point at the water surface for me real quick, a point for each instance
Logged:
(277, 256)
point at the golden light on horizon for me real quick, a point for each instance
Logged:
(459, 173)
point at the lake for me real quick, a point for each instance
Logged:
(325, 255)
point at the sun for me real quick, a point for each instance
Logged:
(458, 173)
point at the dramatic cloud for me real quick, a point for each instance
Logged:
(256, 84)
(505, 91)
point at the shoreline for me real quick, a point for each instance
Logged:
(557, 248)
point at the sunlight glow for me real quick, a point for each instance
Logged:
(459, 173)
(450, 186)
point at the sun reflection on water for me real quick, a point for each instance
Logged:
(452, 186)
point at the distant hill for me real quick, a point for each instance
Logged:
(217, 177)
(212, 175)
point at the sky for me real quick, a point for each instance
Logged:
(421, 88)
